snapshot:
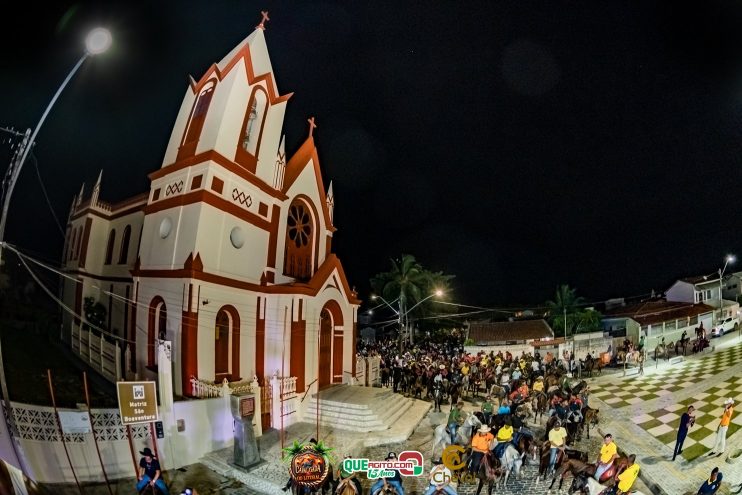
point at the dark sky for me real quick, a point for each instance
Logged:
(517, 145)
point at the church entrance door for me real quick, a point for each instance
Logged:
(325, 349)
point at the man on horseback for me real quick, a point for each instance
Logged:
(557, 437)
(608, 454)
(347, 477)
(480, 445)
(455, 419)
(504, 437)
(487, 409)
(395, 481)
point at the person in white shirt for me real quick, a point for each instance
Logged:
(440, 479)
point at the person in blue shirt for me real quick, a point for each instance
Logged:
(711, 485)
(504, 407)
(686, 421)
(395, 481)
(150, 472)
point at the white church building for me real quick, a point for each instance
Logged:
(228, 255)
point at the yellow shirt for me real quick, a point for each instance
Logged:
(627, 477)
(726, 417)
(505, 434)
(557, 436)
(538, 386)
(607, 452)
(464, 370)
(481, 443)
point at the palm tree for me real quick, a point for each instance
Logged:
(564, 307)
(409, 284)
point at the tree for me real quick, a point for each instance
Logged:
(95, 313)
(565, 305)
(408, 283)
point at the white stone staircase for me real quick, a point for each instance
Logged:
(362, 409)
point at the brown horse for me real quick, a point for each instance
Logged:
(540, 404)
(577, 467)
(590, 417)
(489, 471)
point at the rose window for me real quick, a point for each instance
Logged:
(300, 225)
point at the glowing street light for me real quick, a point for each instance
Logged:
(98, 41)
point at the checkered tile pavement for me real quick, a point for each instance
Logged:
(637, 389)
(663, 423)
(623, 392)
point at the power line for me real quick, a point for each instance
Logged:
(46, 196)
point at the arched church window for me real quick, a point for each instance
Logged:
(156, 328)
(109, 247)
(196, 121)
(124, 255)
(252, 128)
(299, 241)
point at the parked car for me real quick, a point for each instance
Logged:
(728, 325)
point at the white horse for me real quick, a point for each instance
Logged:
(511, 461)
(593, 487)
(441, 439)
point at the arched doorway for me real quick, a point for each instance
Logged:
(331, 344)
(325, 348)
(226, 344)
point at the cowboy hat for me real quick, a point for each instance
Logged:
(728, 401)
(442, 367)
(147, 452)
(484, 429)
(540, 378)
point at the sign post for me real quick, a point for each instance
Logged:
(137, 402)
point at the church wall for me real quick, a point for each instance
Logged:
(173, 293)
(218, 253)
(224, 118)
(163, 253)
(179, 127)
(270, 141)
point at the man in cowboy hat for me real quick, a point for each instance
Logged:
(721, 434)
(480, 445)
(150, 472)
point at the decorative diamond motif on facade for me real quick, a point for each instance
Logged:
(241, 197)
(174, 188)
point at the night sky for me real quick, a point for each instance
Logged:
(518, 145)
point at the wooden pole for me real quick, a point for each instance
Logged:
(319, 343)
(92, 429)
(61, 433)
(131, 449)
(283, 370)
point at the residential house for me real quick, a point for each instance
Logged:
(708, 289)
(514, 336)
(658, 318)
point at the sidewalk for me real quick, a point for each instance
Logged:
(658, 471)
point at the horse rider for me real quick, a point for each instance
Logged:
(557, 440)
(538, 385)
(440, 479)
(395, 481)
(480, 445)
(627, 477)
(535, 367)
(608, 454)
(487, 409)
(504, 437)
(455, 419)
(345, 475)
(641, 343)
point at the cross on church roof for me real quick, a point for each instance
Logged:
(312, 125)
(262, 21)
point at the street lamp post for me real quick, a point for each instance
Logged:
(96, 42)
(402, 315)
(729, 259)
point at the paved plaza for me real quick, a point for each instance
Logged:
(643, 413)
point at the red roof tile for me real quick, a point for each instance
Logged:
(653, 312)
(507, 331)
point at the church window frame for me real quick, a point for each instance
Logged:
(196, 120)
(253, 125)
(109, 246)
(125, 241)
(300, 242)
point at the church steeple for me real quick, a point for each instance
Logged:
(331, 202)
(96, 190)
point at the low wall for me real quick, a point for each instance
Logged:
(208, 426)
